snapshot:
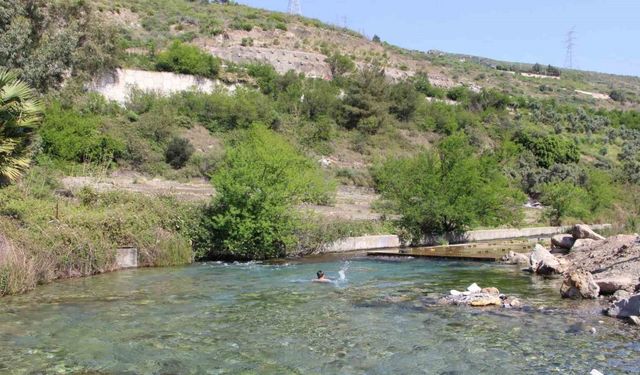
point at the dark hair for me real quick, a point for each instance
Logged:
(320, 274)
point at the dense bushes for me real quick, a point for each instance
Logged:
(259, 183)
(187, 59)
(71, 136)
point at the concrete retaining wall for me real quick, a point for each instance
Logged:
(127, 257)
(117, 86)
(392, 241)
(499, 234)
(364, 243)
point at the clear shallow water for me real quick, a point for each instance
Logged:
(269, 319)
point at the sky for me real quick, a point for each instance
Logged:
(607, 32)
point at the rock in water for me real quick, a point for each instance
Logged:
(579, 284)
(542, 262)
(486, 300)
(491, 290)
(581, 231)
(474, 288)
(515, 258)
(595, 372)
(563, 241)
(611, 284)
(454, 292)
(625, 308)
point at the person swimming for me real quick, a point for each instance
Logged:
(321, 278)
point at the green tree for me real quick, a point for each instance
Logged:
(47, 41)
(365, 106)
(563, 200)
(261, 180)
(20, 113)
(403, 98)
(446, 192)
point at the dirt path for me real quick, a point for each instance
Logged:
(352, 203)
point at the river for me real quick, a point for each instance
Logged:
(377, 318)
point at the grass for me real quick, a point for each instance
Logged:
(46, 237)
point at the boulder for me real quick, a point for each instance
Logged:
(491, 290)
(581, 231)
(619, 295)
(515, 258)
(611, 284)
(563, 241)
(474, 288)
(582, 244)
(471, 299)
(579, 284)
(625, 307)
(635, 320)
(485, 300)
(512, 303)
(542, 262)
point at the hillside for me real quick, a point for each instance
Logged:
(241, 34)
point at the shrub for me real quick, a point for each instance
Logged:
(188, 59)
(260, 181)
(549, 149)
(178, 152)
(340, 64)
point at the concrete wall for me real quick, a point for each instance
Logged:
(364, 243)
(498, 234)
(392, 241)
(118, 85)
(127, 257)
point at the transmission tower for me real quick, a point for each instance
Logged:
(570, 43)
(295, 8)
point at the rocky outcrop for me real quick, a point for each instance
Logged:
(614, 262)
(625, 308)
(579, 284)
(516, 258)
(542, 262)
(581, 231)
(563, 241)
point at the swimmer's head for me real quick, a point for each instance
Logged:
(320, 274)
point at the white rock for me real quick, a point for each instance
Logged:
(454, 292)
(595, 372)
(474, 288)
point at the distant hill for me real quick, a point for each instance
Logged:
(239, 34)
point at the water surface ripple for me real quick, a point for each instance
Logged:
(270, 319)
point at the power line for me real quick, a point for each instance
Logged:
(570, 43)
(295, 8)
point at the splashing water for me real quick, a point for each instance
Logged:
(343, 271)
